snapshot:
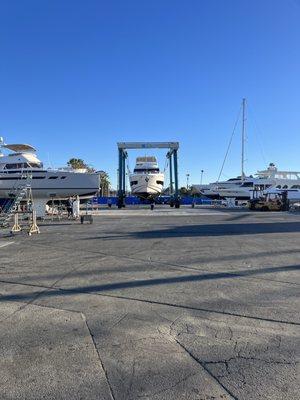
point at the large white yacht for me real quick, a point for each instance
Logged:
(268, 179)
(244, 189)
(22, 166)
(212, 190)
(146, 181)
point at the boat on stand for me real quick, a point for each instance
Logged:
(21, 167)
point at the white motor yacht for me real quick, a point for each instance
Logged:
(146, 181)
(22, 166)
(245, 187)
(269, 179)
(212, 190)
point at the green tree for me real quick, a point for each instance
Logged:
(104, 183)
(183, 191)
(77, 163)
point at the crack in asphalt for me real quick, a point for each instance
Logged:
(203, 365)
(250, 359)
(197, 309)
(100, 360)
(167, 388)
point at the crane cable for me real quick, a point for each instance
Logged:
(166, 164)
(127, 167)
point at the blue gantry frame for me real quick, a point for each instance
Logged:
(173, 165)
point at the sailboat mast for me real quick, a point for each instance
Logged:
(243, 138)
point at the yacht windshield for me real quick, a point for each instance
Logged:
(23, 165)
(147, 170)
(247, 184)
(36, 165)
(16, 166)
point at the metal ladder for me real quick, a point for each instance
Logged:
(12, 207)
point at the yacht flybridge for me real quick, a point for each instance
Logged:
(22, 166)
(146, 181)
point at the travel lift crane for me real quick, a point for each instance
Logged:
(173, 164)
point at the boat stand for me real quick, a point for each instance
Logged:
(33, 228)
(27, 210)
(16, 227)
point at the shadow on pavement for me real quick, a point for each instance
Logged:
(149, 282)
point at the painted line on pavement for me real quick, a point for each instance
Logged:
(5, 244)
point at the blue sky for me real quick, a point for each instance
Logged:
(78, 76)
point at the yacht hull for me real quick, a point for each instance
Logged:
(211, 194)
(146, 185)
(235, 194)
(51, 184)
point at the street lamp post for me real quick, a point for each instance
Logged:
(187, 181)
(201, 175)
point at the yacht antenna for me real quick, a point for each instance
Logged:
(243, 138)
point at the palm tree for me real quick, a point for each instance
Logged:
(77, 163)
(104, 183)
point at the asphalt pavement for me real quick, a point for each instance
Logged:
(164, 304)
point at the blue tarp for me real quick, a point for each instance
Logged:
(132, 200)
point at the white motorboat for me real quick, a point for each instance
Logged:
(22, 166)
(146, 181)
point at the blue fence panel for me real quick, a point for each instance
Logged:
(133, 200)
